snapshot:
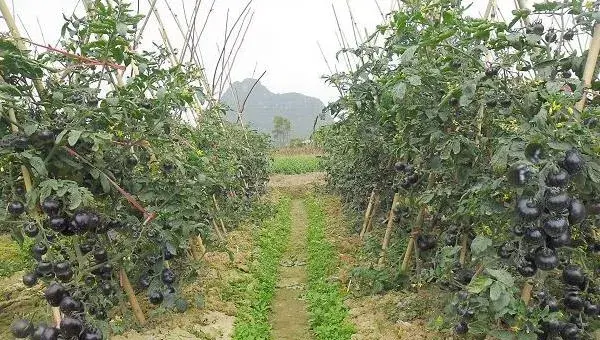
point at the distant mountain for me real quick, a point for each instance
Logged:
(263, 105)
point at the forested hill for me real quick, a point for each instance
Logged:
(263, 105)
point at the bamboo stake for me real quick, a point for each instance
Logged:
(416, 228)
(220, 219)
(367, 215)
(590, 65)
(463, 248)
(135, 306)
(388, 230)
(373, 212)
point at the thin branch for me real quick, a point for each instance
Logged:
(138, 37)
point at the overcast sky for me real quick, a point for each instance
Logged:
(282, 38)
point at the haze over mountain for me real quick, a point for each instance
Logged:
(263, 105)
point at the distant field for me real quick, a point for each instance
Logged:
(295, 164)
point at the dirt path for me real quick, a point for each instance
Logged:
(290, 317)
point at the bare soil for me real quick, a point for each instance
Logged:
(290, 317)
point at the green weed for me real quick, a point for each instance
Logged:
(295, 164)
(253, 312)
(328, 315)
(13, 257)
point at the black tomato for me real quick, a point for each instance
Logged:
(31, 230)
(71, 327)
(100, 255)
(58, 223)
(546, 259)
(30, 279)
(533, 235)
(559, 178)
(569, 331)
(69, 305)
(167, 276)
(426, 242)
(527, 209)
(573, 301)
(591, 309)
(16, 208)
(44, 268)
(573, 162)
(461, 328)
(50, 333)
(557, 201)
(555, 226)
(155, 297)
(562, 240)
(577, 212)
(573, 275)
(519, 174)
(21, 328)
(54, 294)
(50, 206)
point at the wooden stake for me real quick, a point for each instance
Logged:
(135, 306)
(373, 213)
(464, 243)
(367, 215)
(56, 316)
(590, 65)
(388, 230)
(416, 228)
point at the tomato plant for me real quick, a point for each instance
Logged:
(501, 163)
(107, 174)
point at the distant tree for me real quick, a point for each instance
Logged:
(281, 130)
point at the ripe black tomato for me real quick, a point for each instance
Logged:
(546, 259)
(31, 230)
(155, 297)
(71, 327)
(16, 208)
(527, 209)
(21, 328)
(577, 212)
(51, 206)
(573, 275)
(559, 178)
(54, 294)
(555, 226)
(30, 279)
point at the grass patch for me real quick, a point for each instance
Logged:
(252, 320)
(295, 164)
(328, 314)
(14, 258)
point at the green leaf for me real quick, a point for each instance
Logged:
(37, 164)
(74, 136)
(502, 335)
(496, 290)
(60, 136)
(30, 129)
(456, 146)
(408, 54)
(503, 276)
(75, 199)
(480, 244)
(105, 183)
(500, 158)
(399, 91)
(414, 80)
(479, 284)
